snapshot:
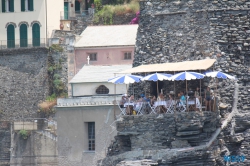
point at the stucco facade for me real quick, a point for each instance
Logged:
(89, 88)
(73, 133)
(105, 56)
(46, 13)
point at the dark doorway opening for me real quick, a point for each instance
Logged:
(153, 87)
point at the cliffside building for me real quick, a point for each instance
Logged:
(28, 23)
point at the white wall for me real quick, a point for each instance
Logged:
(54, 7)
(90, 88)
(39, 14)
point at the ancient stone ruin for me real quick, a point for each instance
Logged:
(181, 30)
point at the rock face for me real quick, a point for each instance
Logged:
(153, 132)
(23, 82)
(173, 31)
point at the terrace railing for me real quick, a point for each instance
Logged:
(29, 43)
(22, 43)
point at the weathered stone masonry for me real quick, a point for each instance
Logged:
(23, 77)
(172, 31)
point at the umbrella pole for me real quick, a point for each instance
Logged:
(174, 97)
(157, 89)
(126, 89)
(200, 96)
(115, 99)
(186, 95)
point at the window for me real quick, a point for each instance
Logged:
(26, 5)
(7, 6)
(36, 34)
(127, 55)
(91, 136)
(23, 36)
(11, 36)
(93, 56)
(102, 90)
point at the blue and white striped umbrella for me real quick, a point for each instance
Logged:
(219, 74)
(126, 79)
(187, 76)
(156, 77)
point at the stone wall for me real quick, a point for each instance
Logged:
(169, 131)
(5, 143)
(23, 82)
(172, 31)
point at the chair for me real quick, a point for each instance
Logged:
(138, 108)
(181, 107)
(191, 103)
(170, 107)
(152, 108)
(123, 110)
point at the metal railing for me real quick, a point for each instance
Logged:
(30, 43)
(22, 43)
(65, 15)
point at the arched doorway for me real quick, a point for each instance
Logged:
(11, 36)
(23, 35)
(36, 34)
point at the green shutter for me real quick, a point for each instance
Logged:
(11, 7)
(23, 36)
(36, 34)
(3, 6)
(30, 4)
(22, 5)
(11, 36)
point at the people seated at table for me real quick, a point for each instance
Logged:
(146, 98)
(182, 98)
(130, 108)
(160, 97)
(153, 100)
(208, 99)
(123, 100)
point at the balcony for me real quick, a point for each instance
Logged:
(65, 15)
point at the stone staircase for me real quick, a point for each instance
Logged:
(48, 134)
(81, 22)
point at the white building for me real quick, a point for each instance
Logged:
(92, 80)
(28, 22)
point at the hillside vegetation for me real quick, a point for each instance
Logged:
(106, 13)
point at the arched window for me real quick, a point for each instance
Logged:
(102, 89)
(11, 36)
(36, 34)
(23, 35)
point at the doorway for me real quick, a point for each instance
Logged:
(66, 10)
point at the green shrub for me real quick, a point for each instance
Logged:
(51, 98)
(56, 76)
(56, 47)
(24, 134)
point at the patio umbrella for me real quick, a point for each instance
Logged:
(155, 77)
(187, 76)
(125, 79)
(219, 74)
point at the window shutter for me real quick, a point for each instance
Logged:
(22, 5)
(11, 5)
(30, 4)
(3, 6)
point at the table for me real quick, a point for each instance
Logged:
(193, 104)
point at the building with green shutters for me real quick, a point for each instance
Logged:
(28, 23)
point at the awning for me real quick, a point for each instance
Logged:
(178, 66)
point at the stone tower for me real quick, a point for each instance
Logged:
(180, 30)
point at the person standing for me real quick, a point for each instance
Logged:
(208, 98)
